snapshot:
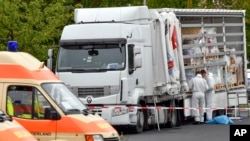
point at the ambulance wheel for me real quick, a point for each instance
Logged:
(138, 128)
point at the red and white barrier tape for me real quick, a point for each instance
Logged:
(172, 108)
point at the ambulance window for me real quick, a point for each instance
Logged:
(27, 102)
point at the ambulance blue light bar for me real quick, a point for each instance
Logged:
(12, 46)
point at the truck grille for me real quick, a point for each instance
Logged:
(94, 92)
(83, 92)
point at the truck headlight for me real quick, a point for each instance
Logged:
(93, 138)
(117, 111)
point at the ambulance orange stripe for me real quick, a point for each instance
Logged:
(16, 134)
(19, 72)
(65, 124)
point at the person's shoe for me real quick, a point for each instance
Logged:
(205, 116)
(196, 123)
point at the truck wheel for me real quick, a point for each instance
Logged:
(165, 122)
(138, 128)
(172, 118)
(166, 116)
(145, 125)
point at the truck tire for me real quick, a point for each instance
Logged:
(138, 128)
(145, 125)
(172, 118)
(165, 122)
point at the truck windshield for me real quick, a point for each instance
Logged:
(64, 98)
(91, 58)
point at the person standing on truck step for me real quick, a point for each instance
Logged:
(209, 94)
(198, 86)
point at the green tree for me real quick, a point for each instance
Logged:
(35, 24)
(240, 4)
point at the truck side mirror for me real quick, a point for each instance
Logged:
(137, 58)
(138, 61)
(50, 59)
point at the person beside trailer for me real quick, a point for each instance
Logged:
(198, 86)
(209, 94)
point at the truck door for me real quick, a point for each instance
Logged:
(29, 110)
(134, 65)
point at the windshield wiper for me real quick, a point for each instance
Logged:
(72, 111)
(77, 111)
(88, 70)
(78, 70)
(87, 112)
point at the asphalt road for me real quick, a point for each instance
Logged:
(189, 132)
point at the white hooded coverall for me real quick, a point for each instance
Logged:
(209, 95)
(198, 85)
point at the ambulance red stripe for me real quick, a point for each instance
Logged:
(19, 72)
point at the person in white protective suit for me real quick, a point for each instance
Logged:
(209, 94)
(198, 86)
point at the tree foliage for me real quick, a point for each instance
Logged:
(37, 24)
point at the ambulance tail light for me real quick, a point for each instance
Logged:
(93, 138)
(12, 46)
